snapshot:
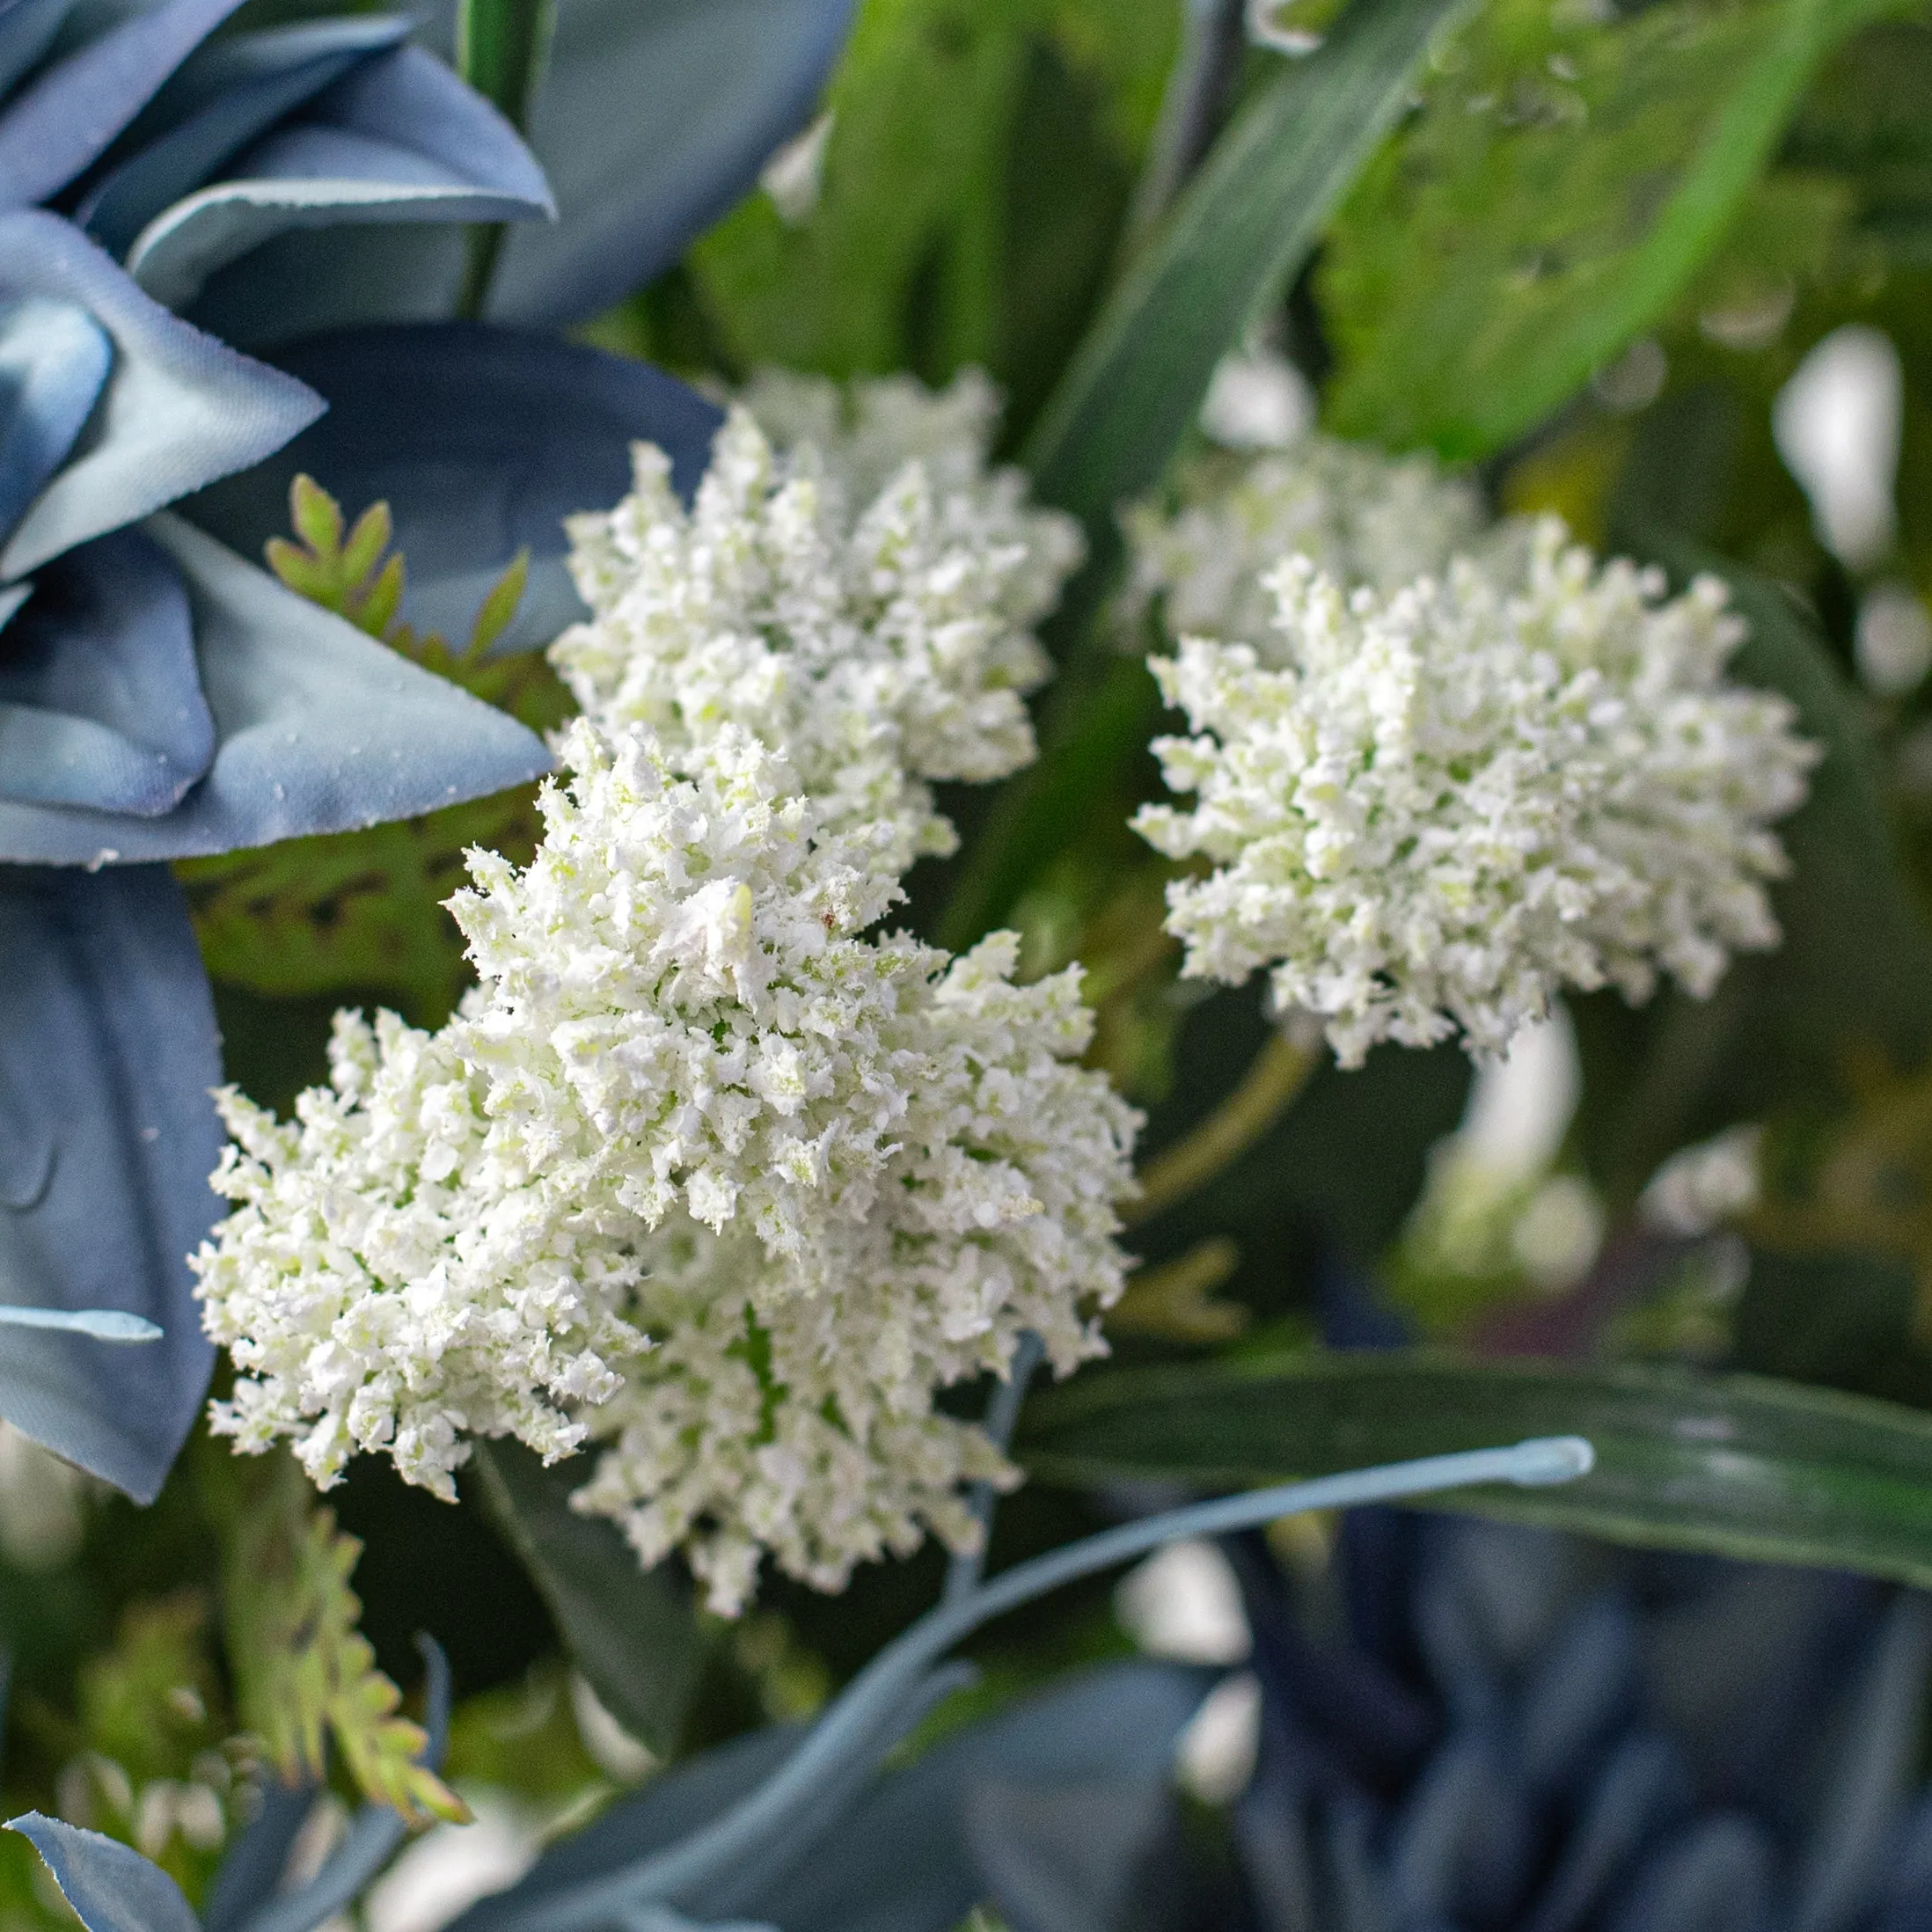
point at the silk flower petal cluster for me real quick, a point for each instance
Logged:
(704, 1171)
(1426, 812)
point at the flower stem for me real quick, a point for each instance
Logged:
(1274, 1077)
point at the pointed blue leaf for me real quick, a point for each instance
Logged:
(53, 363)
(902, 1861)
(250, 1870)
(68, 115)
(1073, 1860)
(179, 409)
(481, 441)
(100, 696)
(110, 1885)
(318, 729)
(27, 28)
(1721, 1875)
(227, 96)
(654, 118)
(100, 1324)
(108, 1135)
(399, 138)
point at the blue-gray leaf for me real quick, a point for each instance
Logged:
(318, 729)
(53, 363)
(228, 94)
(177, 411)
(107, 1136)
(905, 1860)
(110, 1885)
(709, 91)
(398, 138)
(652, 118)
(481, 441)
(100, 697)
(27, 28)
(67, 116)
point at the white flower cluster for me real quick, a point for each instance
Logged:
(861, 598)
(1427, 810)
(701, 1171)
(1360, 517)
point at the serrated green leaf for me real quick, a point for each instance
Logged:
(317, 517)
(1739, 1466)
(631, 1631)
(367, 542)
(304, 1675)
(1239, 231)
(1556, 196)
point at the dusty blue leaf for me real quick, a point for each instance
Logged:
(27, 28)
(110, 1885)
(107, 1136)
(399, 138)
(250, 1870)
(667, 1809)
(709, 89)
(178, 409)
(227, 95)
(317, 728)
(100, 697)
(481, 441)
(1078, 1859)
(68, 115)
(903, 1860)
(53, 363)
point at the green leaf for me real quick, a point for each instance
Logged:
(1734, 1465)
(1235, 236)
(978, 165)
(1535, 219)
(304, 1671)
(630, 1631)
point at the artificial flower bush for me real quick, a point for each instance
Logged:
(1148, 695)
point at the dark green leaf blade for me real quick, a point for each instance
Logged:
(630, 1631)
(1739, 1466)
(1240, 230)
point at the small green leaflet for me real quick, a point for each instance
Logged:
(1737, 1465)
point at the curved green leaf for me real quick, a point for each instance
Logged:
(1736, 1465)
(1241, 229)
(630, 1631)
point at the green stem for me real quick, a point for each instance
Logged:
(1275, 1076)
(501, 50)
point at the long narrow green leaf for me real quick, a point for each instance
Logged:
(631, 1632)
(1243, 226)
(1736, 1465)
